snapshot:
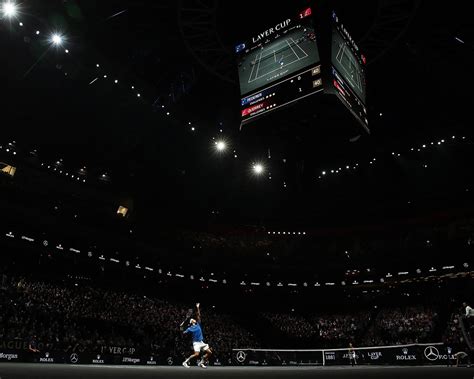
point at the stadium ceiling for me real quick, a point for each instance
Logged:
(198, 23)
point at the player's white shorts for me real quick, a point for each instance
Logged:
(200, 346)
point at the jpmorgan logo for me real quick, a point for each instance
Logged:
(431, 353)
(8, 357)
(241, 356)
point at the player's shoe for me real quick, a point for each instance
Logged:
(185, 364)
(202, 365)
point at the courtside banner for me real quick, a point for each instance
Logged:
(51, 357)
(398, 355)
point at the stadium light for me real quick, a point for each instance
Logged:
(57, 39)
(258, 168)
(9, 9)
(221, 146)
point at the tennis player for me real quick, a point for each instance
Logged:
(198, 341)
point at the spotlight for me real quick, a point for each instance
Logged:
(220, 145)
(324, 173)
(9, 9)
(258, 168)
(116, 81)
(57, 39)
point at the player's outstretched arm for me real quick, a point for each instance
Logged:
(198, 312)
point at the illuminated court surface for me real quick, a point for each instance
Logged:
(19, 370)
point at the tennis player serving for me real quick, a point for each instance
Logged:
(198, 344)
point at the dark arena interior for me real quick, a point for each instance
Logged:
(222, 189)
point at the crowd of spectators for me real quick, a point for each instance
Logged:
(78, 318)
(453, 335)
(88, 319)
(391, 326)
(340, 329)
(395, 326)
(328, 330)
(292, 326)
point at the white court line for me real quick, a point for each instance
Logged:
(277, 69)
(253, 67)
(272, 64)
(299, 47)
(339, 53)
(272, 47)
(294, 52)
(260, 59)
(342, 49)
(275, 56)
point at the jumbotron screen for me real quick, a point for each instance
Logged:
(348, 71)
(279, 66)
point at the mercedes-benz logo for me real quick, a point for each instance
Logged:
(431, 353)
(74, 358)
(241, 356)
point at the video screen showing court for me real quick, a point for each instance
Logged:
(285, 49)
(348, 62)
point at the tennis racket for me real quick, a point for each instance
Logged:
(188, 315)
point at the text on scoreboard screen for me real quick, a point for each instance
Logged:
(348, 71)
(279, 66)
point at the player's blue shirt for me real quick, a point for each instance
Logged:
(196, 332)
